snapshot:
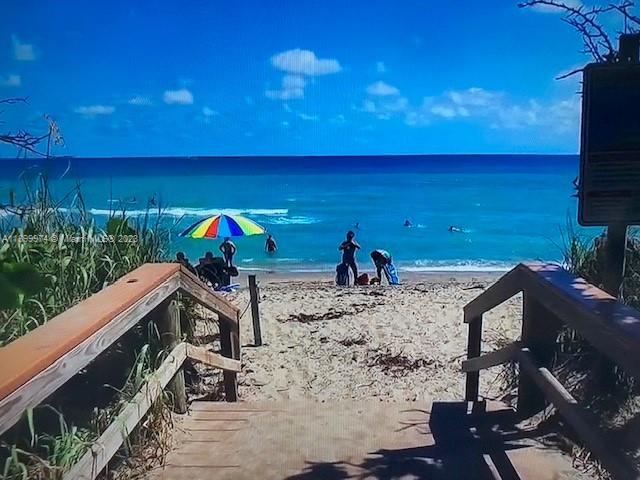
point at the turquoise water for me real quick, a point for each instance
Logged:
(510, 208)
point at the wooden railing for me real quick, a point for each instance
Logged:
(37, 364)
(553, 297)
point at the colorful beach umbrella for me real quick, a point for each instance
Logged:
(221, 225)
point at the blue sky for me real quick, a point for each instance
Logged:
(305, 77)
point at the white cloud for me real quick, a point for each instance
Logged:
(474, 96)
(339, 119)
(24, 52)
(292, 87)
(304, 62)
(442, 111)
(382, 89)
(11, 81)
(381, 67)
(178, 97)
(209, 112)
(95, 110)
(386, 107)
(140, 101)
(494, 109)
(304, 116)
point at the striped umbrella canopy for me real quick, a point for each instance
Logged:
(221, 225)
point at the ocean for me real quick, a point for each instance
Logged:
(509, 208)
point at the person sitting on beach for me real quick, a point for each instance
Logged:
(270, 245)
(407, 223)
(182, 260)
(349, 248)
(228, 250)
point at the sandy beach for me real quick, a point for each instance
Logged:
(390, 343)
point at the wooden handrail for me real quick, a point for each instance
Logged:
(610, 326)
(552, 296)
(38, 363)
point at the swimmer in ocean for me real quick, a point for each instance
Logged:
(407, 223)
(270, 246)
(453, 229)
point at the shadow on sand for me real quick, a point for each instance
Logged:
(463, 445)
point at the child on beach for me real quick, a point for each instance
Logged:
(349, 248)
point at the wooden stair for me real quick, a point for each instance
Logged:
(357, 439)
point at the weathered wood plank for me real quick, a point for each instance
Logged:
(168, 321)
(209, 299)
(213, 359)
(474, 347)
(94, 461)
(540, 330)
(37, 350)
(610, 326)
(227, 349)
(502, 290)
(62, 368)
(584, 424)
(255, 311)
(491, 359)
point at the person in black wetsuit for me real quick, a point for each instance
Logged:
(349, 248)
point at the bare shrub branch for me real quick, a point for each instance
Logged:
(597, 42)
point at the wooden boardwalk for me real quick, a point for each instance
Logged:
(357, 439)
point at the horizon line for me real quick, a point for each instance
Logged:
(55, 157)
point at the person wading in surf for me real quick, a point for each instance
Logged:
(228, 250)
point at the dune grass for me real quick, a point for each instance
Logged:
(68, 256)
(73, 255)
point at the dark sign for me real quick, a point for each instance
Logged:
(610, 145)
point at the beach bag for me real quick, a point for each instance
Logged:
(363, 279)
(391, 273)
(342, 274)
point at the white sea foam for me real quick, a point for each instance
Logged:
(430, 266)
(295, 220)
(194, 212)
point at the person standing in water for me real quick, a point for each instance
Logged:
(228, 250)
(349, 248)
(270, 245)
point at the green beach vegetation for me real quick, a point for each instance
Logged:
(53, 255)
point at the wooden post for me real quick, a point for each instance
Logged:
(614, 257)
(230, 348)
(615, 247)
(540, 329)
(170, 336)
(474, 343)
(255, 312)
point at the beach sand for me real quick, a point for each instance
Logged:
(389, 343)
